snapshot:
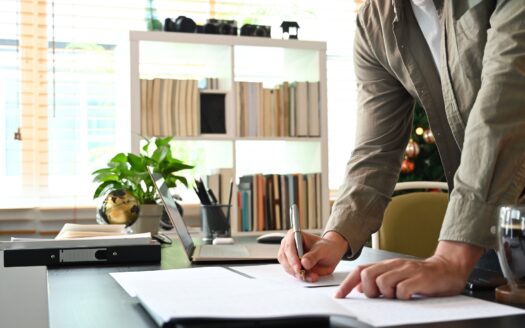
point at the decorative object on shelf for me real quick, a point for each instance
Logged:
(180, 24)
(256, 30)
(152, 22)
(407, 166)
(290, 30)
(412, 149)
(428, 136)
(119, 207)
(218, 26)
(129, 172)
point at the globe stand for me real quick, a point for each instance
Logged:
(507, 294)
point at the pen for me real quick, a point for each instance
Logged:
(296, 226)
(229, 200)
(212, 196)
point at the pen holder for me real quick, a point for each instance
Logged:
(215, 222)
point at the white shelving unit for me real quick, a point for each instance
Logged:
(230, 59)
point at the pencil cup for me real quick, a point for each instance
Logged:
(215, 222)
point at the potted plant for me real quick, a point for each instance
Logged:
(128, 173)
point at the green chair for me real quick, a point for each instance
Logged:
(412, 221)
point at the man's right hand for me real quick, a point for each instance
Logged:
(321, 254)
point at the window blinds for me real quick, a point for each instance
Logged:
(63, 84)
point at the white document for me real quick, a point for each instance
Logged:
(215, 292)
(275, 272)
(381, 312)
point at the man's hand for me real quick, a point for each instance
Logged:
(321, 254)
(443, 274)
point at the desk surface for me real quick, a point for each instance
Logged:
(89, 297)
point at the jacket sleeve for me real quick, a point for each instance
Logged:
(383, 128)
(492, 169)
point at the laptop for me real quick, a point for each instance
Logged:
(209, 253)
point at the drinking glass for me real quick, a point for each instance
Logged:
(511, 253)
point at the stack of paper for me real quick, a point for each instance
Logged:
(220, 293)
(83, 235)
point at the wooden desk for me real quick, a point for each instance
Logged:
(89, 297)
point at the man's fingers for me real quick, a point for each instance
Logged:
(371, 278)
(310, 259)
(288, 257)
(350, 282)
(290, 252)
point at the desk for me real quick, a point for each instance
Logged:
(89, 297)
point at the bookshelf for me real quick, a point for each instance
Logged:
(232, 61)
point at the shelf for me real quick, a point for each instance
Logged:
(268, 63)
(159, 36)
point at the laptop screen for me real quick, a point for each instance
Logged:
(173, 213)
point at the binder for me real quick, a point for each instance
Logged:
(63, 256)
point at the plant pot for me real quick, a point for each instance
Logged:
(149, 219)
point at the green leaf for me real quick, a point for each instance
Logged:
(137, 163)
(160, 142)
(109, 176)
(105, 187)
(160, 154)
(118, 159)
(104, 170)
(174, 167)
(171, 180)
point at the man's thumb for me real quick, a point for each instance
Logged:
(310, 259)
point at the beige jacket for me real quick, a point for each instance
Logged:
(476, 110)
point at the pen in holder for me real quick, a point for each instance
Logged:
(215, 222)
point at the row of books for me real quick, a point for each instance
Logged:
(264, 201)
(169, 107)
(289, 110)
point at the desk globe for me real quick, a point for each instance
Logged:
(119, 207)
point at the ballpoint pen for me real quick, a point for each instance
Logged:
(296, 226)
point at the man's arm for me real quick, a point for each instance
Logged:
(383, 128)
(492, 170)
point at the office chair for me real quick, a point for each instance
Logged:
(412, 221)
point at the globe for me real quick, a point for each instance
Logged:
(119, 207)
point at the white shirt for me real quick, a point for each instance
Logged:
(428, 21)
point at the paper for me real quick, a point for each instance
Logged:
(71, 230)
(275, 272)
(215, 292)
(131, 280)
(381, 312)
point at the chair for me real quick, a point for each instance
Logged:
(412, 221)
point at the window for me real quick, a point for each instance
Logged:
(63, 83)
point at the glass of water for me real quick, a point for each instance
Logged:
(511, 253)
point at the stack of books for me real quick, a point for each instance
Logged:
(288, 110)
(169, 107)
(264, 200)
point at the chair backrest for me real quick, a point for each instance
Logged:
(412, 221)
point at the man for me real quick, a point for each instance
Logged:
(475, 103)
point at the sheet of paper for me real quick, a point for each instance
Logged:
(130, 280)
(275, 272)
(72, 230)
(215, 292)
(381, 312)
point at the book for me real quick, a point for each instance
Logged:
(301, 109)
(314, 126)
(143, 107)
(311, 201)
(155, 107)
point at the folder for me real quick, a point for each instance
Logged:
(62, 256)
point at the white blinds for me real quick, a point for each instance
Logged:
(63, 83)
